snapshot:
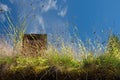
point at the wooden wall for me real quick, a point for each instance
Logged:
(34, 44)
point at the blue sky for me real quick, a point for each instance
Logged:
(62, 16)
(98, 16)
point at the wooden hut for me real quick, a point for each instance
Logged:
(34, 44)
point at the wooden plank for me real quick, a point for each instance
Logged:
(34, 44)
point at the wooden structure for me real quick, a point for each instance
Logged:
(34, 44)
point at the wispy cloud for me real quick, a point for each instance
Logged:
(3, 8)
(63, 12)
(38, 25)
(41, 22)
(34, 30)
(49, 4)
(43, 11)
(2, 17)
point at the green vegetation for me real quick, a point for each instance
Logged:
(60, 64)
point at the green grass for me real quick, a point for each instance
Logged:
(103, 67)
(61, 64)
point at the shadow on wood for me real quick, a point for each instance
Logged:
(34, 44)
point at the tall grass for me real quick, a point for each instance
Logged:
(13, 35)
(89, 61)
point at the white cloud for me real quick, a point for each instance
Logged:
(49, 4)
(42, 11)
(39, 25)
(3, 8)
(41, 22)
(63, 12)
(2, 17)
(40, 19)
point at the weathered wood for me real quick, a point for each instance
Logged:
(34, 44)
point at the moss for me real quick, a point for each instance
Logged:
(103, 67)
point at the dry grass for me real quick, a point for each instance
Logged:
(70, 61)
(5, 49)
